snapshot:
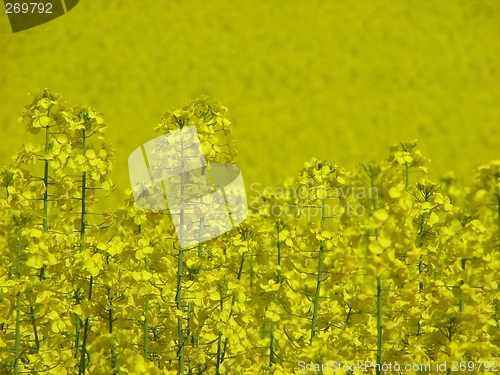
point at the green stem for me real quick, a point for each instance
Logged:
(217, 364)
(84, 196)
(497, 176)
(83, 363)
(146, 323)
(180, 350)
(114, 358)
(252, 272)
(189, 335)
(178, 297)
(17, 348)
(347, 318)
(82, 247)
(420, 265)
(233, 301)
(379, 282)
(46, 182)
(318, 280)
(271, 342)
(77, 326)
(110, 313)
(219, 339)
(272, 339)
(202, 220)
(116, 362)
(35, 330)
(461, 301)
(46, 193)
(407, 174)
(379, 324)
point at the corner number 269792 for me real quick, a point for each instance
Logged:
(28, 8)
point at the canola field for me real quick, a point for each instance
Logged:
(378, 269)
(366, 133)
(340, 80)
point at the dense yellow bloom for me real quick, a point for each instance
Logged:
(371, 264)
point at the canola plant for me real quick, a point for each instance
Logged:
(377, 265)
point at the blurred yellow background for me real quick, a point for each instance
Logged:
(340, 80)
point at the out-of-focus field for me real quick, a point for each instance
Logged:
(339, 80)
